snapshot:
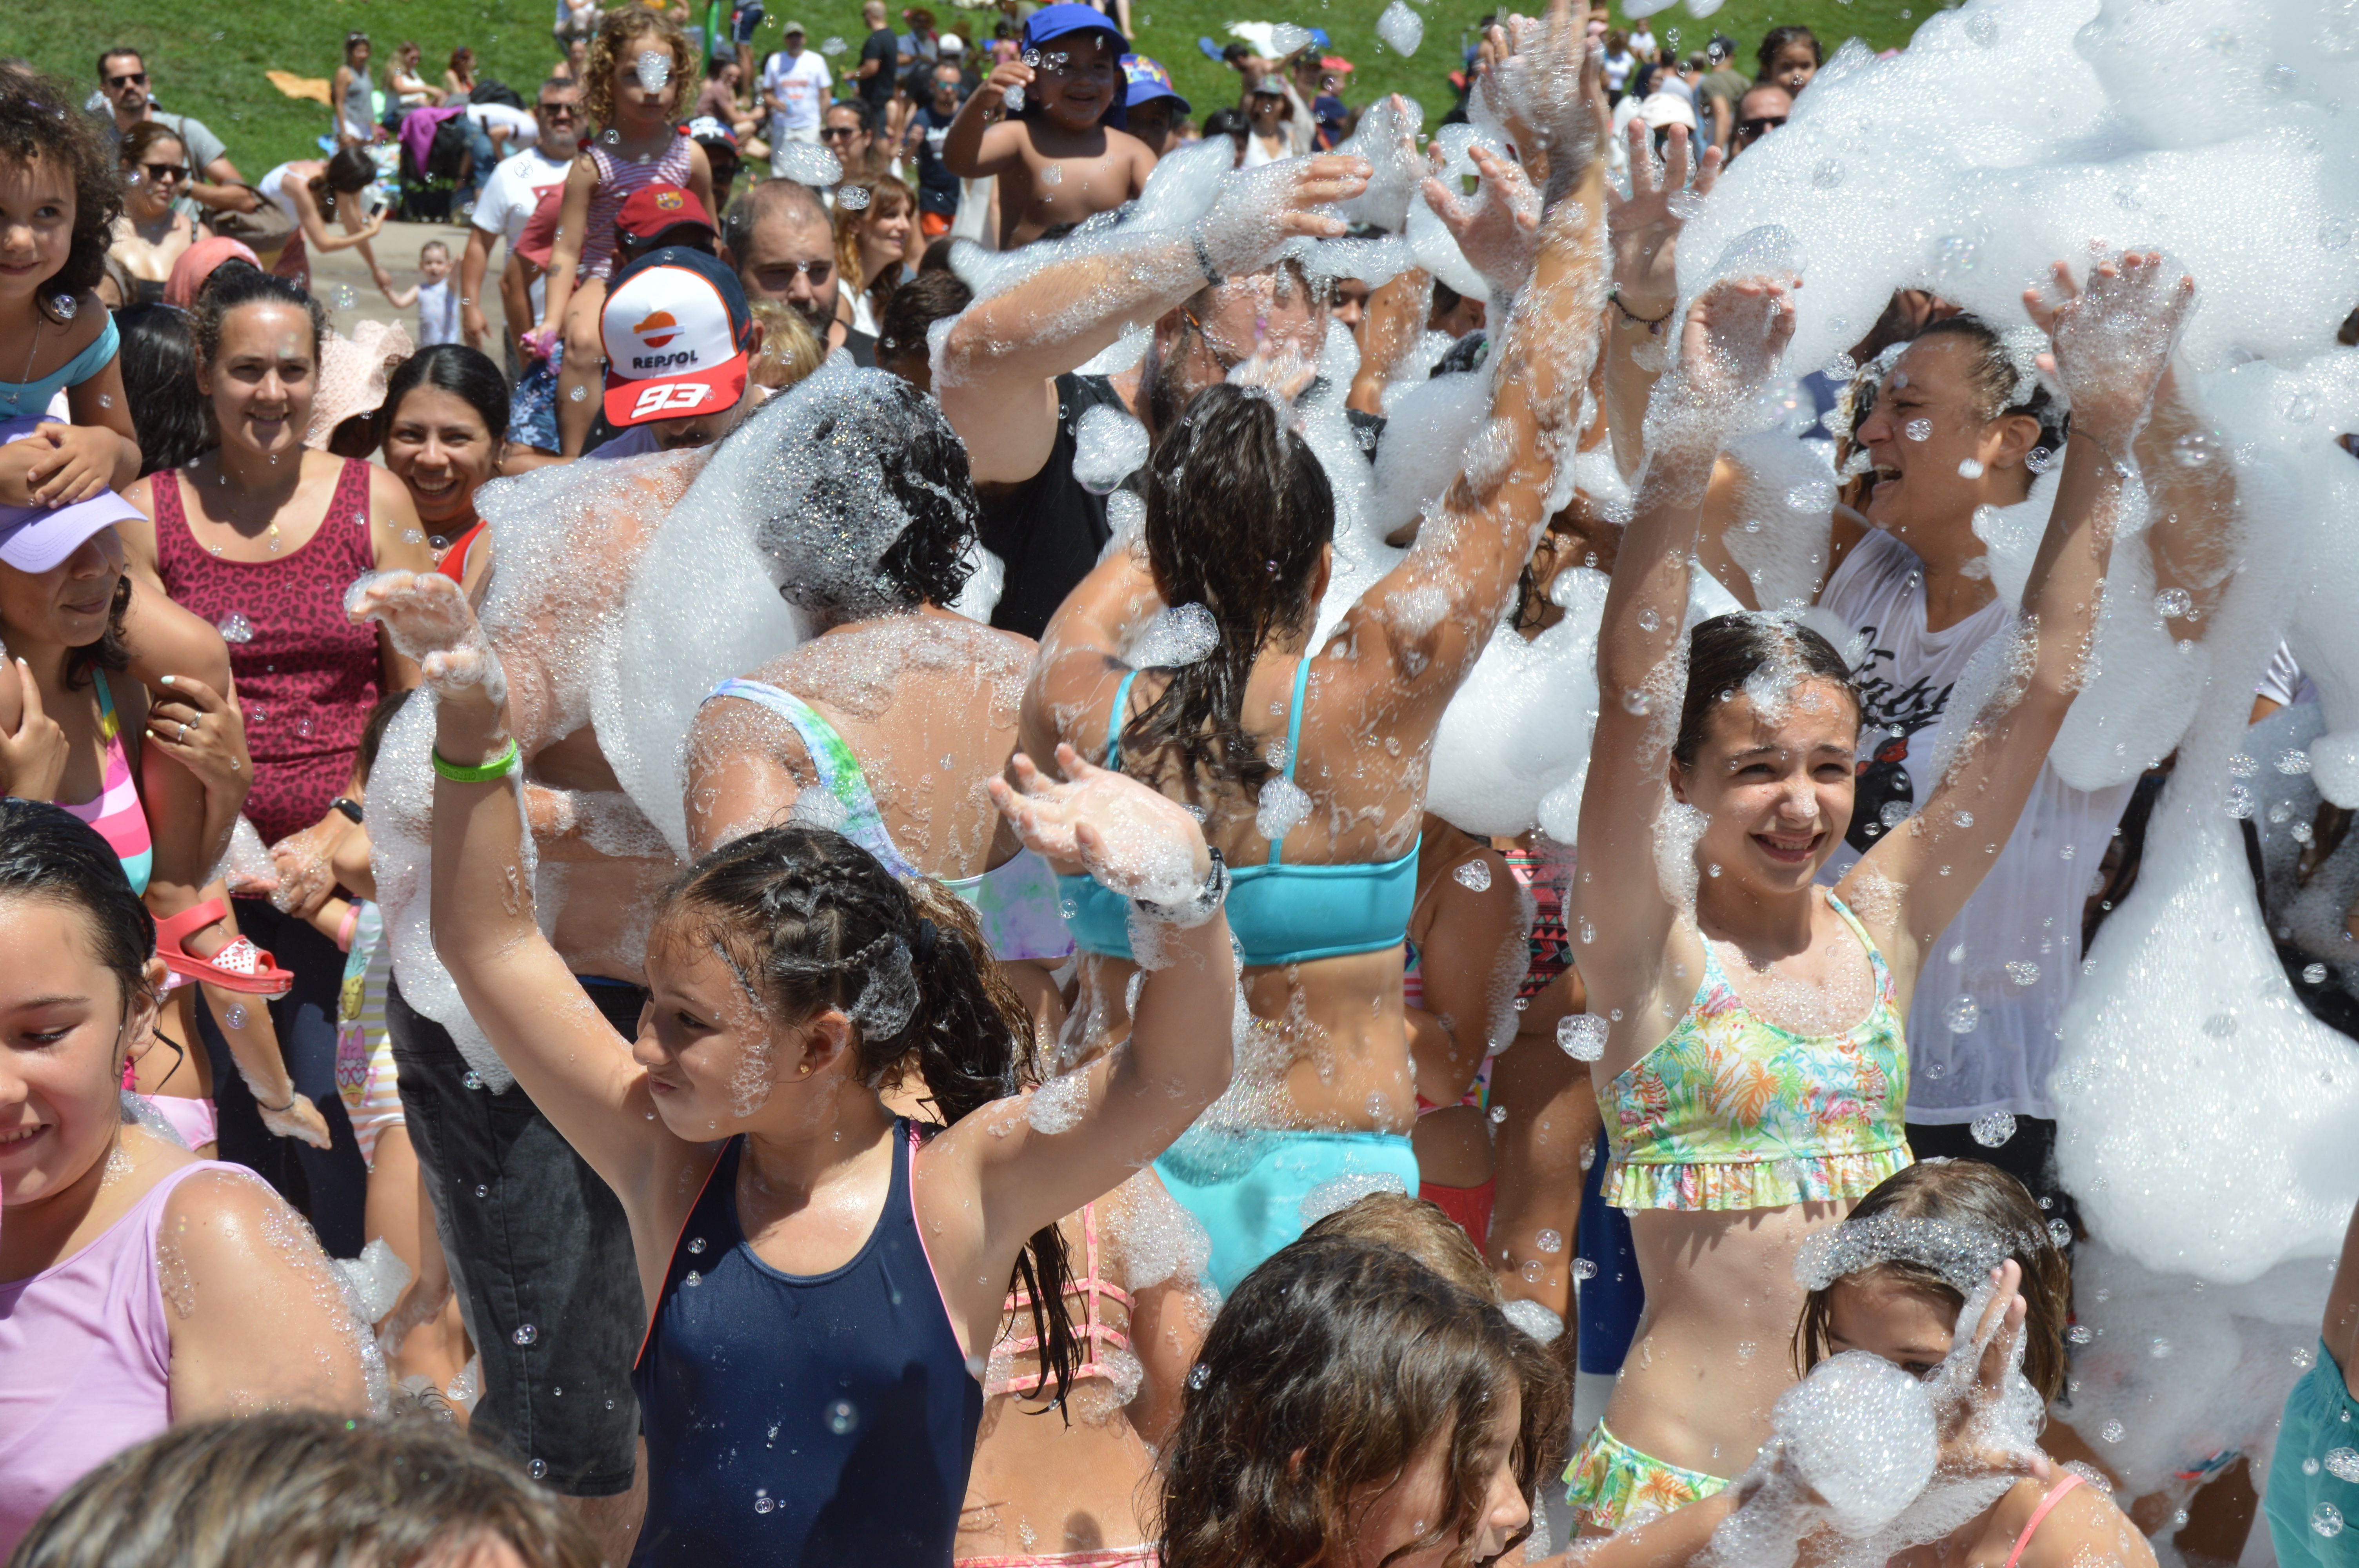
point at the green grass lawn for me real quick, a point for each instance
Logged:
(208, 57)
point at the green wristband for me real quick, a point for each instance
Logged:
(498, 767)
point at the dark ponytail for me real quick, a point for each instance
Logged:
(810, 921)
(46, 853)
(1238, 514)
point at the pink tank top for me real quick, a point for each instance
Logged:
(85, 1360)
(306, 675)
(617, 178)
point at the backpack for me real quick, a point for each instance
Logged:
(492, 90)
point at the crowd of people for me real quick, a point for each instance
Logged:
(1025, 833)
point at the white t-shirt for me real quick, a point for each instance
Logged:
(437, 314)
(2015, 949)
(802, 85)
(508, 199)
(522, 128)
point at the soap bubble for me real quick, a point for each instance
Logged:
(473, 1079)
(2112, 1431)
(1474, 876)
(764, 1502)
(2023, 972)
(1994, 1129)
(852, 198)
(1401, 28)
(236, 1017)
(1920, 429)
(1860, 1431)
(234, 627)
(1813, 495)
(2195, 450)
(2326, 1520)
(1109, 446)
(525, 1334)
(1841, 367)
(832, 47)
(1549, 1241)
(1827, 174)
(2343, 1463)
(2238, 802)
(2059, 1233)
(1178, 636)
(654, 71)
(2241, 766)
(538, 1469)
(1893, 814)
(1014, 98)
(2291, 762)
(1582, 1036)
(841, 1417)
(1961, 1015)
(66, 305)
(1583, 1269)
(806, 165)
(2172, 603)
(2039, 460)
(1282, 808)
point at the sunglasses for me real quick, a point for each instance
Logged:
(816, 273)
(136, 78)
(555, 111)
(171, 171)
(838, 133)
(1749, 129)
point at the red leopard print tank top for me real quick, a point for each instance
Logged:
(306, 675)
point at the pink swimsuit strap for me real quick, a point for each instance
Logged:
(1091, 1288)
(2055, 1495)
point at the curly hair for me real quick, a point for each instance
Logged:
(40, 117)
(617, 32)
(809, 921)
(1327, 1373)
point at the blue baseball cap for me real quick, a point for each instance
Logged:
(36, 538)
(1063, 20)
(1148, 81)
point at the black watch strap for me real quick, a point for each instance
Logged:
(350, 808)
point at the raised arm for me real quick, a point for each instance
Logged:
(1431, 616)
(2111, 345)
(977, 145)
(516, 987)
(1729, 342)
(1079, 664)
(1083, 1135)
(997, 374)
(1644, 229)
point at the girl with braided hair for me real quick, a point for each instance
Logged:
(824, 1280)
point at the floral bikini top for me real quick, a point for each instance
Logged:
(1733, 1112)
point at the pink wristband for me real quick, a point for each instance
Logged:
(344, 931)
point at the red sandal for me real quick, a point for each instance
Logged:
(239, 967)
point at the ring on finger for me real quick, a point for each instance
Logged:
(183, 735)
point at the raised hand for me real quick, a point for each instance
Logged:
(1259, 210)
(1497, 229)
(2113, 338)
(1733, 336)
(1973, 1387)
(431, 622)
(1544, 82)
(1128, 837)
(33, 757)
(1643, 227)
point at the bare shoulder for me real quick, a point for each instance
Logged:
(233, 1219)
(2083, 1523)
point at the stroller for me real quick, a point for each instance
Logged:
(433, 153)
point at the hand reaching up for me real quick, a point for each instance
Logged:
(1975, 1386)
(1497, 229)
(1545, 84)
(2113, 338)
(1258, 211)
(1131, 839)
(430, 622)
(1645, 226)
(1734, 334)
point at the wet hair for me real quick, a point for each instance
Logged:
(48, 852)
(810, 921)
(930, 296)
(288, 1488)
(1991, 375)
(1238, 512)
(1972, 1197)
(233, 286)
(1727, 651)
(1418, 1228)
(465, 374)
(1774, 42)
(617, 32)
(159, 357)
(41, 117)
(1325, 1374)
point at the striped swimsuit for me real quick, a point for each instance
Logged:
(116, 813)
(618, 178)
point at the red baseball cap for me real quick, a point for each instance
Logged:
(677, 333)
(653, 211)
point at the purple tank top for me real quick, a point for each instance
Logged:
(85, 1360)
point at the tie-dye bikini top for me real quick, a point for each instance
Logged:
(1733, 1112)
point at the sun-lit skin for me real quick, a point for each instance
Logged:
(64, 1029)
(1777, 795)
(1907, 1326)
(1404, 1510)
(437, 446)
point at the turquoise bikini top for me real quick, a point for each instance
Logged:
(30, 399)
(1280, 914)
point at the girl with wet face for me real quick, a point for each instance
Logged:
(139, 1285)
(1713, 957)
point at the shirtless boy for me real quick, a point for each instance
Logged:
(1062, 155)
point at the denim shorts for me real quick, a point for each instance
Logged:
(541, 1254)
(743, 21)
(532, 406)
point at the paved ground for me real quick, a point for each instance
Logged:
(342, 278)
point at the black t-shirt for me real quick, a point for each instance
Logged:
(886, 50)
(1048, 529)
(938, 188)
(861, 347)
